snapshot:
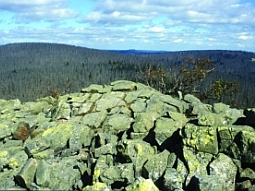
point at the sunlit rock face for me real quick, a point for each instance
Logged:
(125, 136)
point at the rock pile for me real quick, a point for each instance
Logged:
(125, 136)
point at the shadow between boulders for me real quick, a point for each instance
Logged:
(173, 144)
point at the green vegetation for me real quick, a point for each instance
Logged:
(34, 70)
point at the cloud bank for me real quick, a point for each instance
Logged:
(140, 24)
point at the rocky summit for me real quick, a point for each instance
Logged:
(125, 136)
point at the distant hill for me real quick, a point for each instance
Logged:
(137, 52)
(32, 70)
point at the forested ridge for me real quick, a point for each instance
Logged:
(33, 70)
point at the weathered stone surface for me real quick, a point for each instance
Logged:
(245, 185)
(12, 158)
(228, 134)
(125, 136)
(93, 88)
(135, 151)
(156, 166)
(195, 105)
(229, 115)
(166, 127)
(110, 101)
(42, 175)
(247, 173)
(5, 130)
(138, 106)
(211, 119)
(164, 103)
(144, 122)
(94, 120)
(196, 163)
(242, 146)
(207, 182)
(172, 180)
(225, 169)
(98, 186)
(103, 162)
(203, 139)
(121, 173)
(25, 177)
(117, 123)
(142, 185)
(123, 85)
(61, 111)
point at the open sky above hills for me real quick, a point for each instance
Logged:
(131, 24)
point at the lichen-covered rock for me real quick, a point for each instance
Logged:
(142, 185)
(172, 180)
(66, 134)
(245, 185)
(117, 123)
(164, 103)
(7, 181)
(144, 122)
(138, 106)
(181, 170)
(135, 151)
(5, 130)
(94, 120)
(247, 173)
(227, 135)
(123, 85)
(166, 127)
(12, 158)
(61, 111)
(195, 105)
(64, 174)
(225, 169)
(156, 166)
(93, 88)
(42, 175)
(197, 163)
(203, 139)
(98, 186)
(206, 182)
(109, 101)
(103, 162)
(211, 119)
(25, 177)
(122, 174)
(242, 145)
(125, 136)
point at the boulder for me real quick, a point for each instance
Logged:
(223, 167)
(25, 177)
(173, 180)
(142, 184)
(135, 151)
(98, 186)
(156, 165)
(200, 138)
(125, 136)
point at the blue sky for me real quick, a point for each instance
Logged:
(131, 24)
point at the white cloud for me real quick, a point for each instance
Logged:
(144, 24)
(244, 37)
(177, 40)
(156, 29)
(34, 10)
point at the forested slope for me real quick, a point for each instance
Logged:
(32, 70)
